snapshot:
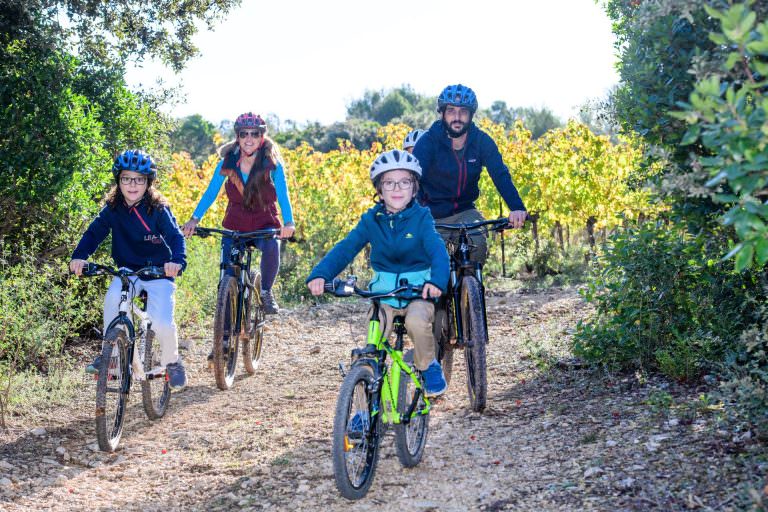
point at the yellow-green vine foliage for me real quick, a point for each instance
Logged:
(566, 176)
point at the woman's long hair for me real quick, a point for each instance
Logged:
(267, 159)
(152, 196)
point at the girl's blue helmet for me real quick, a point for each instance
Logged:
(458, 95)
(134, 160)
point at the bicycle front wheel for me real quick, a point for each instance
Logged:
(225, 339)
(411, 437)
(254, 322)
(155, 392)
(474, 335)
(111, 389)
(355, 445)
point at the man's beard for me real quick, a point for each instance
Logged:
(455, 134)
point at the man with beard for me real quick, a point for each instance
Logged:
(452, 155)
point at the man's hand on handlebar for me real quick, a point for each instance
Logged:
(316, 286)
(517, 218)
(172, 269)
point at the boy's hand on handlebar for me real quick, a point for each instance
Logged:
(189, 227)
(287, 231)
(316, 286)
(517, 218)
(430, 291)
(172, 269)
(76, 266)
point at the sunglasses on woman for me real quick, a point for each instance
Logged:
(253, 133)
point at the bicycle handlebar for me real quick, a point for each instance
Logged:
(348, 287)
(95, 269)
(241, 235)
(499, 224)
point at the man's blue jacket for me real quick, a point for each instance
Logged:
(449, 184)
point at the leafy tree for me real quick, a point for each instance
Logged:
(194, 135)
(537, 120)
(113, 31)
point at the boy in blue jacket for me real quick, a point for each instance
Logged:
(404, 245)
(144, 233)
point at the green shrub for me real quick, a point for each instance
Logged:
(665, 302)
(198, 286)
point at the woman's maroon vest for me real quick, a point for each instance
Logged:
(237, 216)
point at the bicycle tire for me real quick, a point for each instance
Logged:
(443, 349)
(111, 400)
(474, 330)
(410, 438)
(225, 362)
(155, 393)
(254, 320)
(355, 454)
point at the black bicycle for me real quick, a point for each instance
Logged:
(460, 316)
(129, 352)
(240, 315)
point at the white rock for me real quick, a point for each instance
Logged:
(52, 462)
(94, 447)
(247, 455)
(303, 488)
(61, 481)
(6, 465)
(61, 450)
(673, 422)
(590, 472)
(610, 443)
(4, 482)
(39, 431)
(626, 483)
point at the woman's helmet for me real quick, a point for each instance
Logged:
(458, 95)
(134, 160)
(412, 138)
(250, 120)
(395, 160)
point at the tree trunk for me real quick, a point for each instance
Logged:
(591, 232)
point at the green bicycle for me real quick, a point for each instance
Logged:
(375, 394)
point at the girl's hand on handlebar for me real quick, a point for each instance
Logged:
(316, 286)
(287, 231)
(517, 218)
(430, 291)
(171, 269)
(189, 227)
(76, 266)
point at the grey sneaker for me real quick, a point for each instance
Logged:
(269, 302)
(177, 376)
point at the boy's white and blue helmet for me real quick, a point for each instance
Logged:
(412, 138)
(395, 160)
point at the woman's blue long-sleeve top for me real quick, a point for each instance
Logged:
(214, 187)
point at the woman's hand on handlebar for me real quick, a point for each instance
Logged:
(287, 231)
(172, 269)
(76, 266)
(316, 286)
(430, 291)
(189, 227)
(517, 218)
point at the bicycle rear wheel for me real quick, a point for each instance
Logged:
(112, 389)
(355, 445)
(155, 391)
(474, 332)
(254, 322)
(225, 339)
(411, 437)
(443, 348)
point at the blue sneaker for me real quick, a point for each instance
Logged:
(434, 380)
(358, 425)
(93, 368)
(177, 376)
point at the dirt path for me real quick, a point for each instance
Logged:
(552, 439)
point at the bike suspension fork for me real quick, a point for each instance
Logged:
(457, 320)
(479, 276)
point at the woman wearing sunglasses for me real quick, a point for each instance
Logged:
(255, 181)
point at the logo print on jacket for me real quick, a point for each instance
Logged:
(153, 239)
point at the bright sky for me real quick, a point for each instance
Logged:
(306, 61)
